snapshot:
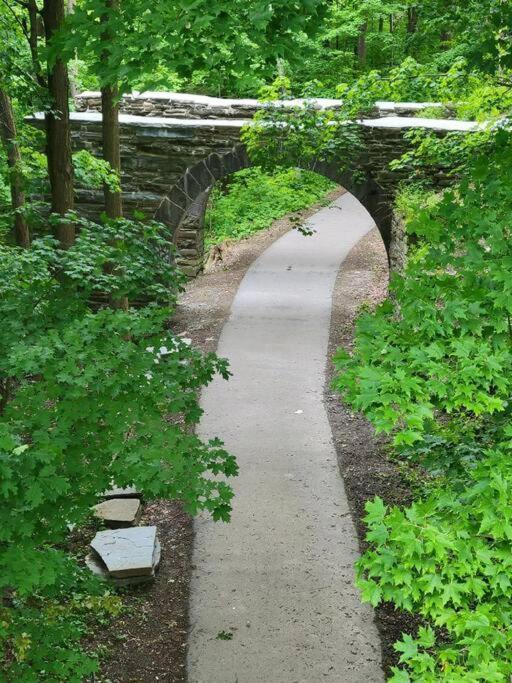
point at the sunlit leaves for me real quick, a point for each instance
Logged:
(186, 36)
(448, 559)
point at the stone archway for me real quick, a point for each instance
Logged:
(183, 208)
(174, 147)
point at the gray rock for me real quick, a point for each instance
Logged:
(98, 567)
(132, 552)
(117, 492)
(119, 512)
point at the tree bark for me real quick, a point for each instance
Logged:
(361, 44)
(58, 130)
(111, 143)
(412, 19)
(35, 27)
(111, 147)
(110, 126)
(70, 8)
(8, 136)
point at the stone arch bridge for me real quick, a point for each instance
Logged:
(174, 147)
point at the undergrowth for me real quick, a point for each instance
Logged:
(433, 367)
(252, 200)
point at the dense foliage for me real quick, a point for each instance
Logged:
(89, 398)
(433, 368)
(94, 390)
(352, 38)
(213, 44)
(252, 200)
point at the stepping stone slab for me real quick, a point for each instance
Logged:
(119, 512)
(117, 492)
(128, 552)
(97, 566)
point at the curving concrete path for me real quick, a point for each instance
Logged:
(279, 577)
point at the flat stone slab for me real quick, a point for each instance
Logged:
(119, 512)
(128, 552)
(118, 492)
(95, 564)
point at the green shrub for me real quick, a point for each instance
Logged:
(434, 369)
(448, 558)
(254, 199)
(86, 398)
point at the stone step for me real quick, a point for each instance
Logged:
(118, 492)
(119, 512)
(125, 556)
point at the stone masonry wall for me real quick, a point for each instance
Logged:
(189, 106)
(154, 155)
(171, 161)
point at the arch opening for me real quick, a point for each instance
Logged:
(183, 209)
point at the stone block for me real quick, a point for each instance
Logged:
(215, 165)
(192, 188)
(127, 553)
(118, 492)
(119, 512)
(202, 175)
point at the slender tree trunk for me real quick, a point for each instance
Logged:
(111, 147)
(412, 19)
(381, 24)
(8, 136)
(391, 23)
(35, 29)
(111, 143)
(70, 8)
(361, 44)
(110, 125)
(58, 131)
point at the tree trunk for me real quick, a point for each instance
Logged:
(412, 19)
(361, 44)
(112, 154)
(110, 124)
(70, 8)
(111, 144)
(381, 24)
(111, 147)
(8, 136)
(58, 131)
(35, 29)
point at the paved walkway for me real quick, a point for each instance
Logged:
(279, 577)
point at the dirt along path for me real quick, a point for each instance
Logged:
(272, 595)
(367, 468)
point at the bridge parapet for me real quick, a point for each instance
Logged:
(190, 106)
